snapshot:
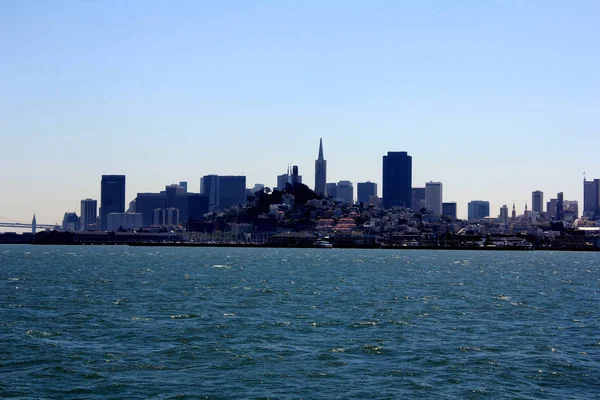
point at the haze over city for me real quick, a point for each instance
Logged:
(493, 99)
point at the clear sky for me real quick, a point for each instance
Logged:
(493, 98)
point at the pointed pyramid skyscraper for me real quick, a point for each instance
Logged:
(320, 172)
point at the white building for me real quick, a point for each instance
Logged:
(433, 197)
(126, 221)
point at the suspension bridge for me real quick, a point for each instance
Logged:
(11, 223)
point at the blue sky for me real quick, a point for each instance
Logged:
(495, 99)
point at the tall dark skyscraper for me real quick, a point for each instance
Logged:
(365, 190)
(321, 172)
(397, 179)
(112, 196)
(537, 201)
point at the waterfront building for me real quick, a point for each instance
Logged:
(503, 217)
(397, 179)
(89, 214)
(345, 192)
(321, 172)
(537, 201)
(124, 221)
(478, 209)
(331, 190)
(433, 197)
(365, 190)
(417, 198)
(112, 197)
(591, 198)
(449, 209)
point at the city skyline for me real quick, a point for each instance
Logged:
(494, 100)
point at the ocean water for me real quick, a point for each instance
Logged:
(233, 323)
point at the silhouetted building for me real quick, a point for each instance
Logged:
(89, 214)
(397, 179)
(417, 198)
(224, 191)
(449, 209)
(478, 209)
(591, 198)
(560, 214)
(295, 180)
(321, 172)
(184, 186)
(112, 197)
(286, 178)
(33, 225)
(537, 201)
(365, 190)
(331, 189)
(146, 203)
(70, 222)
(345, 192)
(433, 197)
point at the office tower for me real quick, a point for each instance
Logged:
(331, 190)
(33, 225)
(365, 190)
(321, 172)
(112, 197)
(478, 209)
(560, 214)
(294, 179)
(146, 203)
(570, 210)
(70, 222)
(449, 209)
(89, 214)
(551, 208)
(159, 217)
(345, 192)
(183, 184)
(503, 217)
(417, 198)
(209, 188)
(124, 221)
(397, 179)
(591, 198)
(283, 179)
(258, 187)
(231, 191)
(433, 197)
(537, 201)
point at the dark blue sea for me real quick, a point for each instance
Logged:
(85, 322)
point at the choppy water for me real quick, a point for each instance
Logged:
(231, 323)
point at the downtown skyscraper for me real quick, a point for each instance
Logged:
(321, 172)
(112, 197)
(397, 179)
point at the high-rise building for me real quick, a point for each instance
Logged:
(503, 217)
(397, 179)
(284, 179)
(537, 201)
(112, 197)
(33, 225)
(417, 198)
(321, 172)
(331, 190)
(478, 209)
(365, 190)
(551, 208)
(560, 213)
(591, 198)
(449, 209)
(89, 214)
(345, 192)
(224, 191)
(183, 184)
(433, 197)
